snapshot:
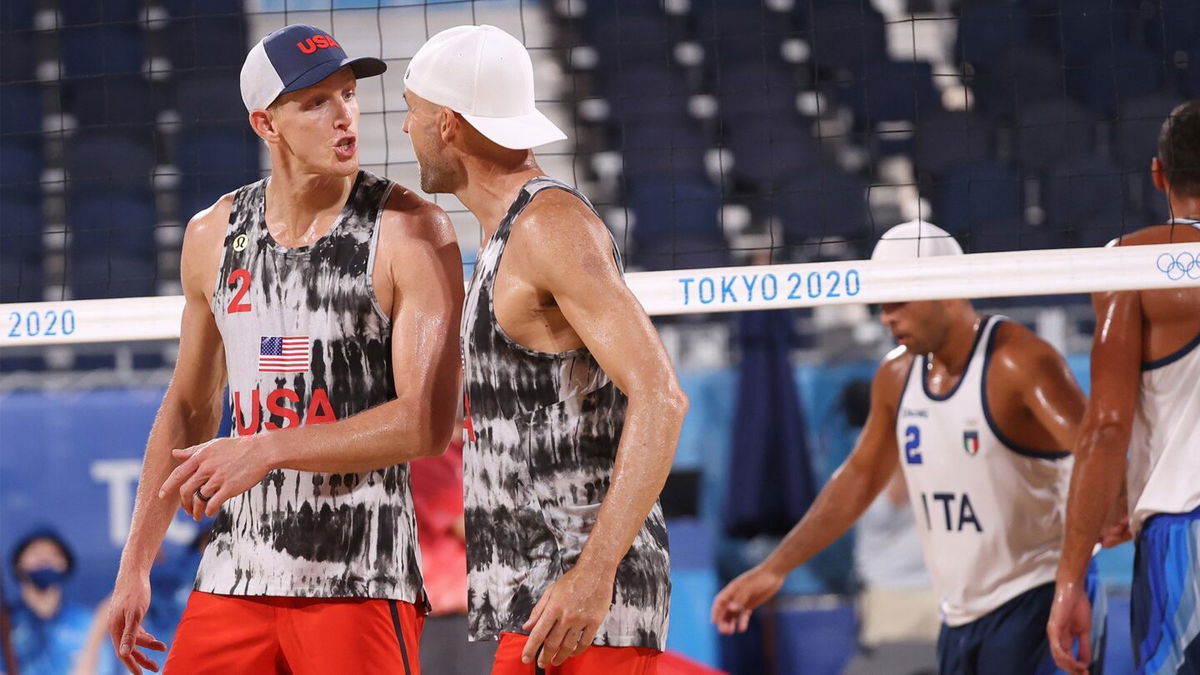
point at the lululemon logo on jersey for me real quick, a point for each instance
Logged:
(240, 242)
(283, 404)
(955, 514)
(316, 42)
(971, 442)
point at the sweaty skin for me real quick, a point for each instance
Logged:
(1132, 327)
(558, 288)
(311, 134)
(1032, 396)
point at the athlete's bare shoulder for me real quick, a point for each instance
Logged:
(203, 241)
(1161, 234)
(1019, 353)
(409, 217)
(564, 229)
(893, 374)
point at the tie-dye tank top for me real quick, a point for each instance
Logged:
(307, 343)
(542, 438)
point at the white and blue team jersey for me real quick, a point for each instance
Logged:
(1164, 448)
(989, 511)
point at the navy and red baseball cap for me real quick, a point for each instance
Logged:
(295, 57)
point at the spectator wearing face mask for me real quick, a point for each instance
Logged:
(50, 635)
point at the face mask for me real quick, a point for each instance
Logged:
(45, 577)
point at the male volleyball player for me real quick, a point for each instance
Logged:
(572, 402)
(322, 294)
(1142, 428)
(977, 411)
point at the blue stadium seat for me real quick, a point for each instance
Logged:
(635, 34)
(889, 91)
(107, 162)
(22, 278)
(20, 247)
(1049, 130)
(101, 50)
(119, 102)
(680, 250)
(16, 15)
(197, 194)
(1173, 26)
(224, 153)
(1023, 75)
(1115, 75)
(663, 148)
(182, 8)
(115, 275)
(845, 37)
(823, 203)
(1187, 72)
(625, 90)
(207, 42)
(1136, 129)
(20, 166)
(749, 88)
(82, 12)
(1084, 196)
(112, 222)
(741, 32)
(20, 111)
(979, 197)
(949, 138)
(1076, 30)
(209, 98)
(986, 30)
(673, 204)
(768, 149)
(18, 59)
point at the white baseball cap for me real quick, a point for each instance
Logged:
(485, 75)
(915, 239)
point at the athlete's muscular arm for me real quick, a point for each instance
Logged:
(844, 498)
(1099, 475)
(424, 291)
(564, 250)
(1039, 375)
(189, 414)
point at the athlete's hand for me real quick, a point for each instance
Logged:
(214, 472)
(1116, 526)
(565, 621)
(129, 602)
(732, 607)
(1070, 619)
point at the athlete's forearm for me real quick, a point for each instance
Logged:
(177, 425)
(391, 433)
(1096, 483)
(644, 458)
(839, 504)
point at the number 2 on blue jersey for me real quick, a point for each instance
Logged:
(912, 445)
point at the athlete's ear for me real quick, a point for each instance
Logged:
(1156, 173)
(448, 121)
(263, 125)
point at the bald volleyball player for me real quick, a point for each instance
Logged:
(573, 407)
(1142, 430)
(321, 295)
(978, 412)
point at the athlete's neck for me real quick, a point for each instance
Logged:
(955, 352)
(491, 187)
(301, 207)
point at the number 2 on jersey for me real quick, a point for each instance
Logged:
(243, 277)
(912, 445)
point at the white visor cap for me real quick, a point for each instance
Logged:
(485, 75)
(915, 239)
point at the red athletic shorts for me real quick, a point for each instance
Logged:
(262, 634)
(594, 661)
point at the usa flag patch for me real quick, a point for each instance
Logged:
(287, 354)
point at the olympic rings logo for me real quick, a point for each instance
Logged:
(1178, 267)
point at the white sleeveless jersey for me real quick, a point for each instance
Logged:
(1164, 449)
(989, 511)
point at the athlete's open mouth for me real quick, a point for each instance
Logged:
(346, 147)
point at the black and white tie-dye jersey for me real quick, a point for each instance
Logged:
(543, 436)
(307, 343)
